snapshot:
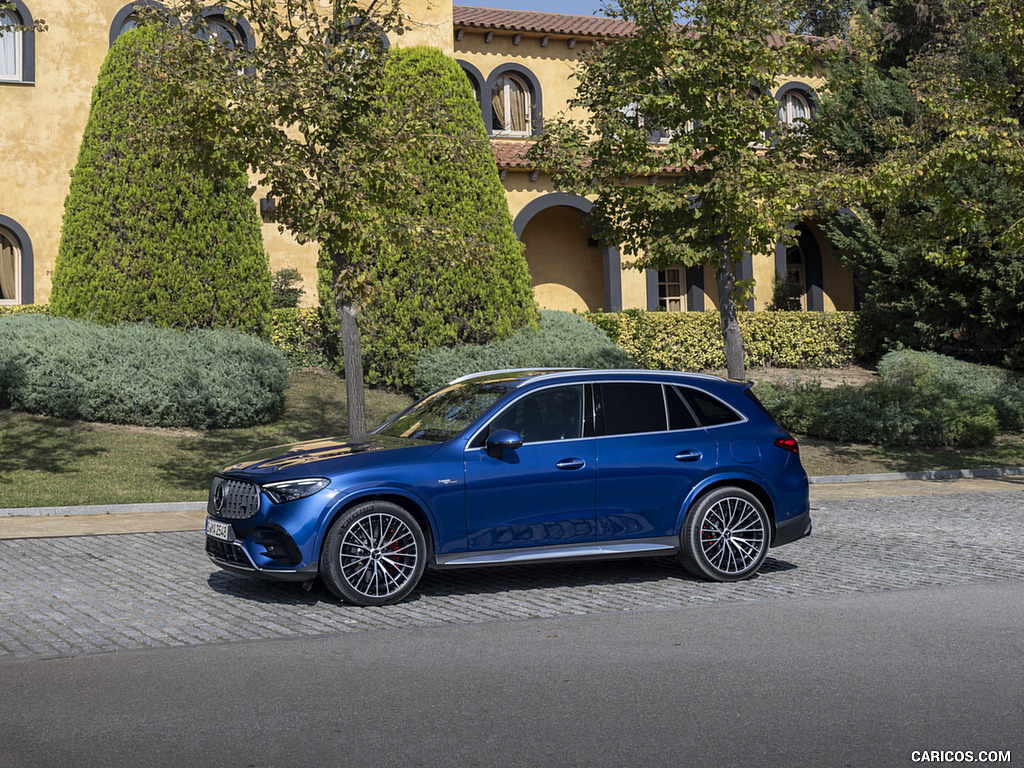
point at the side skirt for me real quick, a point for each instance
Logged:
(591, 550)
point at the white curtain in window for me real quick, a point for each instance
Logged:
(9, 48)
(498, 105)
(518, 103)
(793, 109)
(8, 272)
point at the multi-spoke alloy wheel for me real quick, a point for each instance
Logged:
(725, 536)
(374, 554)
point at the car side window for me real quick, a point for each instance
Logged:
(679, 414)
(548, 414)
(711, 411)
(626, 407)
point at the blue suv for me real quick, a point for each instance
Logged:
(520, 466)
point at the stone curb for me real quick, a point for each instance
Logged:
(939, 474)
(199, 506)
(104, 509)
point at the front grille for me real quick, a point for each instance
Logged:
(227, 552)
(233, 499)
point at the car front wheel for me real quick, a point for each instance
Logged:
(725, 536)
(374, 554)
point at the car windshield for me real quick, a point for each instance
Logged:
(449, 411)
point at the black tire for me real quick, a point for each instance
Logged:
(725, 535)
(374, 554)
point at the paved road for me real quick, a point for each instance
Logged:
(94, 594)
(897, 628)
(860, 680)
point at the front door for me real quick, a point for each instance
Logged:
(541, 493)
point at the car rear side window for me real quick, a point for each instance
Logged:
(625, 408)
(711, 411)
(679, 414)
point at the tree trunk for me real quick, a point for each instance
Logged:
(355, 391)
(731, 336)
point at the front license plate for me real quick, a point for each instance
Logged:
(219, 530)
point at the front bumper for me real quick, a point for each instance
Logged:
(266, 551)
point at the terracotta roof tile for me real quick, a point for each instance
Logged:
(541, 23)
(511, 154)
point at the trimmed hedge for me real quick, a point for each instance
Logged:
(920, 399)
(149, 234)
(468, 283)
(563, 340)
(692, 341)
(138, 374)
(25, 309)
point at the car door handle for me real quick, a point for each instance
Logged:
(571, 464)
(689, 456)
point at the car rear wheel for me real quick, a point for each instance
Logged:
(374, 554)
(725, 536)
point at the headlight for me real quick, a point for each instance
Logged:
(290, 490)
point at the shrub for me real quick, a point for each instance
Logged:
(149, 234)
(468, 283)
(933, 372)
(285, 288)
(920, 399)
(563, 340)
(25, 309)
(880, 414)
(138, 374)
(304, 338)
(786, 293)
(692, 341)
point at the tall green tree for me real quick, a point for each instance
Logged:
(468, 282)
(146, 237)
(731, 175)
(923, 120)
(306, 109)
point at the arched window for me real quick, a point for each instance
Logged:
(233, 34)
(511, 106)
(226, 33)
(17, 47)
(229, 33)
(794, 108)
(474, 79)
(10, 268)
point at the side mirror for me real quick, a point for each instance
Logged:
(502, 439)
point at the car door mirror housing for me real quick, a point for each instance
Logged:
(501, 440)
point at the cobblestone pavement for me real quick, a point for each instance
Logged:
(95, 594)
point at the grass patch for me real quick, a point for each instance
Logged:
(48, 462)
(823, 457)
(57, 462)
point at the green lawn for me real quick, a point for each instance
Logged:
(53, 462)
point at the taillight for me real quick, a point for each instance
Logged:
(788, 444)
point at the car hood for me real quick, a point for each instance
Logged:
(285, 457)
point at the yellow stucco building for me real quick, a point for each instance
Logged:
(520, 64)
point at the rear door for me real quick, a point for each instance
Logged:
(650, 454)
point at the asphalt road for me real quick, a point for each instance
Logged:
(894, 633)
(861, 680)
